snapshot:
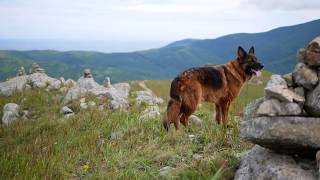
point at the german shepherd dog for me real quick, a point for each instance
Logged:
(218, 84)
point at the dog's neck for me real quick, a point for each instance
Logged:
(238, 73)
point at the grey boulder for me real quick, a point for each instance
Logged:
(312, 104)
(260, 163)
(277, 88)
(7, 88)
(10, 113)
(305, 76)
(287, 134)
(273, 107)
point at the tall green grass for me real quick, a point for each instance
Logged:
(49, 146)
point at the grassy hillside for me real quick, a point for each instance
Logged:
(48, 146)
(276, 49)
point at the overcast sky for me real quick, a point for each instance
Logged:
(164, 20)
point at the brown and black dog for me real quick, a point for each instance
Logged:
(218, 84)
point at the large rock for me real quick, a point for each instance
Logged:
(91, 86)
(311, 54)
(260, 163)
(304, 76)
(288, 134)
(146, 97)
(7, 88)
(84, 87)
(41, 80)
(118, 101)
(251, 109)
(277, 88)
(75, 93)
(312, 105)
(123, 89)
(10, 113)
(273, 107)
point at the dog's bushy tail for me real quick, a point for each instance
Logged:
(174, 106)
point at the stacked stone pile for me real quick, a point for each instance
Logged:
(285, 124)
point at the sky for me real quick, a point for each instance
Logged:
(148, 20)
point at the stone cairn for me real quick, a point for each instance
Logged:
(285, 124)
(35, 68)
(21, 71)
(107, 82)
(87, 73)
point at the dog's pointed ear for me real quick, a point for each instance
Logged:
(241, 53)
(251, 51)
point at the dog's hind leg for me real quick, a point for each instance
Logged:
(225, 112)
(218, 113)
(172, 114)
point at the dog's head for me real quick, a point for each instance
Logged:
(249, 62)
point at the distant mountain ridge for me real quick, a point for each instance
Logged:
(276, 48)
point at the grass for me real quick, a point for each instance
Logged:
(49, 146)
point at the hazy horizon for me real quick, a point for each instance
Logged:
(140, 24)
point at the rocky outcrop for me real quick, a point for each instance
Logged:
(261, 163)
(10, 113)
(38, 79)
(9, 87)
(87, 86)
(286, 123)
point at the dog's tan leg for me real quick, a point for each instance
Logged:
(225, 112)
(218, 114)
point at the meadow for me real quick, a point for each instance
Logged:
(50, 146)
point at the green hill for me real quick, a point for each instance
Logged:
(276, 49)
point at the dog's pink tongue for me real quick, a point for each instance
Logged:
(258, 73)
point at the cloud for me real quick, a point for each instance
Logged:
(289, 5)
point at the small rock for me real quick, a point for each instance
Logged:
(69, 115)
(35, 68)
(146, 97)
(87, 73)
(101, 108)
(70, 83)
(116, 135)
(92, 104)
(107, 82)
(25, 114)
(273, 107)
(251, 109)
(304, 76)
(21, 71)
(196, 121)
(83, 105)
(150, 112)
(192, 137)
(197, 156)
(288, 79)
(165, 171)
(66, 110)
(123, 89)
(82, 100)
(10, 113)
